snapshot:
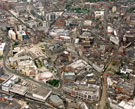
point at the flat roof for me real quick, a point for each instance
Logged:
(69, 73)
(56, 99)
(14, 77)
(16, 88)
(7, 83)
(18, 58)
(2, 45)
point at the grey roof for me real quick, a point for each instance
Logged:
(56, 99)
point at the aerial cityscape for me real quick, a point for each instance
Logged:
(67, 54)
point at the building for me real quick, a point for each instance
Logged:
(19, 53)
(115, 40)
(21, 35)
(83, 106)
(6, 85)
(28, 68)
(83, 92)
(2, 46)
(110, 30)
(127, 105)
(64, 38)
(79, 65)
(19, 89)
(56, 101)
(12, 1)
(45, 76)
(125, 71)
(41, 94)
(69, 76)
(18, 59)
(56, 48)
(87, 23)
(126, 87)
(98, 68)
(12, 34)
(61, 22)
(114, 8)
(119, 88)
(32, 23)
(59, 32)
(34, 51)
(99, 14)
(50, 17)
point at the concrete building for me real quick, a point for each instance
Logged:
(82, 92)
(2, 46)
(32, 23)
(6, 85)
(87, 23)
(125, 71)
(110, 30)
(19, 53)
(98, 68)
(115, 40)
(50, 17)
(12, 34)
(79, 65)
(13, 59)
(19, 89)
(41, 94)
(12, 1)
(27, 68)
(45, 76)
(21, 35)
(83, 106)
(64, 38)
(59, 32)
(61, 22)
(56, 101)
(126, 88)
(99, 14)
(69, 76)
(127, 105)
(114, 8)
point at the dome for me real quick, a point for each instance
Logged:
(45, 75)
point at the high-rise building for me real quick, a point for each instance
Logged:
(50, 17)
(2, 46)
(12, 34)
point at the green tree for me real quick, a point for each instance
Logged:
(113, 63)
(53, 82)
(1, 57)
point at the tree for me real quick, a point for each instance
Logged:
(27, 103)
(122, 64)
(131, 9)
(53, 82)
(118, 72)
(1, 57)
(113, 63)
(126, 76)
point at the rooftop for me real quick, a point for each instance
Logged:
(56, 99)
